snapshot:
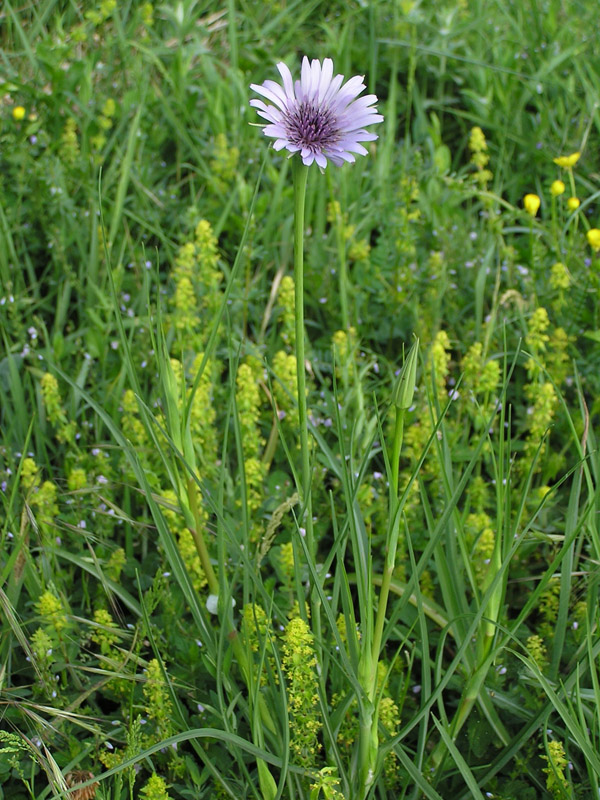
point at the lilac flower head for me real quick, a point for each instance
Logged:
(317, 116)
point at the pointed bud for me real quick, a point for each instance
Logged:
(405, 386)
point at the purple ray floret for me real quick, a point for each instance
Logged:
(317, 116)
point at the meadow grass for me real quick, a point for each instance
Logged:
(167, 629)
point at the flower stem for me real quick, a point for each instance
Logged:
(300, 173)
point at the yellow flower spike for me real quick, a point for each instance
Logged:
(573, 203)
(531, 203)
(593, 237)
(557, 188)
(567, 161)
(18, 113)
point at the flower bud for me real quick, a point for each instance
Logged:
(531, 202)
(593, 237)
(405, 385)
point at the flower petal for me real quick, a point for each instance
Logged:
(325, 81)
(269, 95)
(288, 83)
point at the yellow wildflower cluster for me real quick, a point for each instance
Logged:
(18, 113)
(548, 608)
(146, 12)
(77, 479)
(299, 664)
(30, 474)
(556, 782)
(105, 121)
(389, 718)
(45, 500)
(285, 386)
(344, 344)
(545, 403)
(54, 408)
(102, 13)
(114, 565)
(51, 397)
(255, 629)
(558, 361)
(155, 788)
(69, 143)
(209, 275)
(537, 650)
(255, 624)
(131, 425)
(248, 403)
(158, 705)
(439, 364)
(537, 339)
(224, 163)
(481, 539)
(560, 278)
(203, 412)
(50, 608)
(481, 377)
(406, 216)
(134, 430)
(286, 561)
(42, 650)
(327, 782)
(287, 305)
(102, 634)
(479, 157)
(185, 540)
(359, 250)
(197, 278)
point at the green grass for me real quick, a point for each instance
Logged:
(161, 613)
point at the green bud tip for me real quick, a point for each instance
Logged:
(405, 385)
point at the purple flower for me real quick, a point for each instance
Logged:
(317, 116)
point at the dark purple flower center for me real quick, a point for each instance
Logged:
(311, 126)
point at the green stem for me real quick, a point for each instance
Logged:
(300, 173)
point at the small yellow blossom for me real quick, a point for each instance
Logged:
(557, 188)
(531, 203)
(559, 277)
(573, 203)
(18, 113)
(568, 161)
(593, 237)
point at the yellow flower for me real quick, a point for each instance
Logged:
(532, 204)
(568, 161)
(18, 113)
(573, 203)
(593, 237)
(557, 188)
